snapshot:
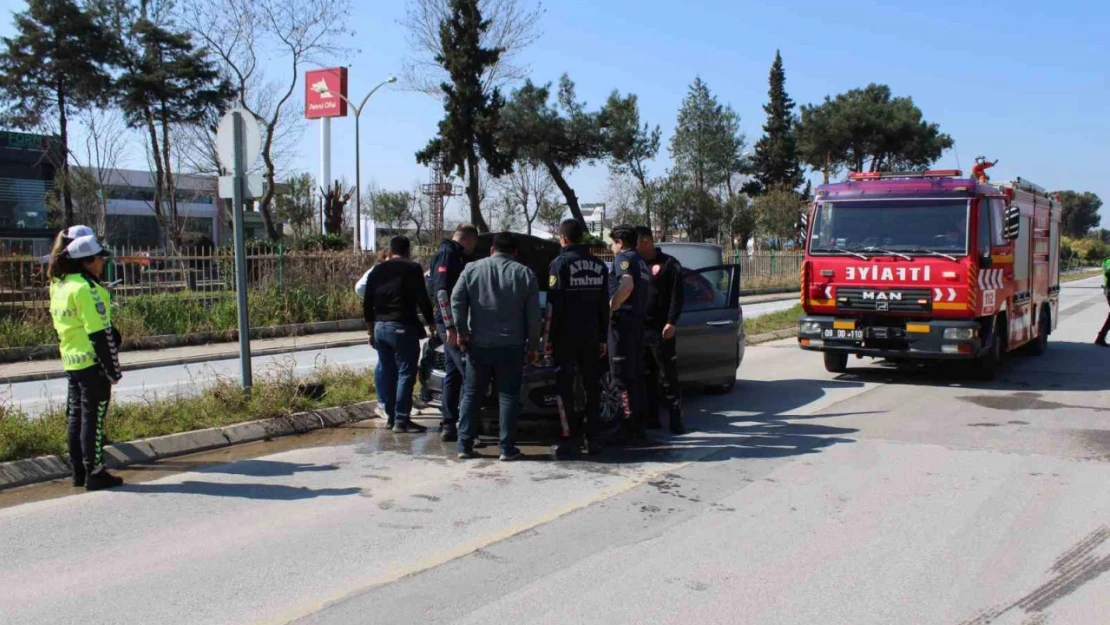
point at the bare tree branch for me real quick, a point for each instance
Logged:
(295, 33)
(529, 186)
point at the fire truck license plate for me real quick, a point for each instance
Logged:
(843, 335)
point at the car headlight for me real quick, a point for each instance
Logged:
(960, 334)
(810, 327)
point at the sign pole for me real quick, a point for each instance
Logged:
(240, 248)
(358, 189)
(325, 167)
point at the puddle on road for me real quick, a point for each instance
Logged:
(371, 437)
(1023, 401)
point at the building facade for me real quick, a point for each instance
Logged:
(27, 167)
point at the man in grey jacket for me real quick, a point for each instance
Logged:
(496, 310)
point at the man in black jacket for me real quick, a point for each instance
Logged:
(395, 291)
(446, 266)
(578, 323)
(664, 309)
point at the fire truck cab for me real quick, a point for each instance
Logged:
(929, 265)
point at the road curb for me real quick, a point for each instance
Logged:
(46, 468)
(191, 360)
(767, 337)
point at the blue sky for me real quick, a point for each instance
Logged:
(1025, 82)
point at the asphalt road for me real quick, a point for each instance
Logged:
(39, 396)
(879, 496)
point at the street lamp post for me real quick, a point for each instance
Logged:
(358, 168)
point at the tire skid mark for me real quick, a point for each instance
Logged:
(1074, 568)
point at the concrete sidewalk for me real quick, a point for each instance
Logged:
(35, 370)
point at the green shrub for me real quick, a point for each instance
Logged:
(1091, 249)
(276, 393)
(323, 242)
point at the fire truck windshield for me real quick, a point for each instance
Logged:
(890, 226)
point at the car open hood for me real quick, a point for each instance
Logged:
(535, 253)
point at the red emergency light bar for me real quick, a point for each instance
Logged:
(888, 175)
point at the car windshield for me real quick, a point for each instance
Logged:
(889, 226)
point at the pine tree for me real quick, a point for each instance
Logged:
(56, 63)
(166, 81)
(468, 132)
(706, 138)
(775, 163)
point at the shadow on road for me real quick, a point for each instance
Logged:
(269, 492)
(1066, 366)
(752, 421)
(267, 468)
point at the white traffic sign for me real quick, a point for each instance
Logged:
(225, 139)
(253, 186)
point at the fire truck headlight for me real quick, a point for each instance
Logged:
(960, 334)
(810, 327)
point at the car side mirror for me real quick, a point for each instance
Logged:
(1013, 222)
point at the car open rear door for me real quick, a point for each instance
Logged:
(709, 327)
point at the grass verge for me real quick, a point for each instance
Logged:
(770, 322)
(224, 403)
(1080, 275)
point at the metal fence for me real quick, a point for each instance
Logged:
(767, 269)
(203, 273)
(209, 273)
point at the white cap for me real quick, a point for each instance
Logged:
(74, 232)
(85, 247)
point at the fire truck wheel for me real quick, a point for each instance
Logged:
(836, 362)
(987, 366)
(1038, 345)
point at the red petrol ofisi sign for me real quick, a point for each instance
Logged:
(322, 88)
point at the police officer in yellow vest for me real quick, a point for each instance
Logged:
(1101, 340)
(81, 310)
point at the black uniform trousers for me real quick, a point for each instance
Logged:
(86, 405)
(661, 365)
(1106, 324)
(626, 365)
(579, 361)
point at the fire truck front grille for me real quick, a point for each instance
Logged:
(884, 300)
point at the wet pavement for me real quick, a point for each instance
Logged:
(882, 495)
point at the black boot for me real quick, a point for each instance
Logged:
(79, 477)
(676, 422)
(101, 480)
(448, 433)
(566, 450)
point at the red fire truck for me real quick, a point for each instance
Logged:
(930, 265)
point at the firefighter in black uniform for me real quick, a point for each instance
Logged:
(445, 268)
(578, 323)
(629, 294)
(664, 309)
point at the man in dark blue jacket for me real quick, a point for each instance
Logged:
(578, 323)
(660, 327)
(446, 266)
(629, 295)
